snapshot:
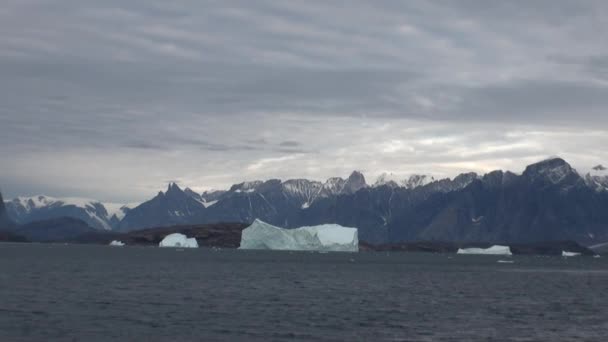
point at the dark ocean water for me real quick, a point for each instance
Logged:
(99, 293)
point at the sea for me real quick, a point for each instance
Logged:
(55, 292)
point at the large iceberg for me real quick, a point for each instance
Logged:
(178, 240)
(327, 237)
(494, 250)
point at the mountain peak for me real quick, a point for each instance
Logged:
(4, 220)
(555, 170)
(388, 179)
(192, 194)
(354, 183)
(416, 181)
(173, 189)
(597, 178)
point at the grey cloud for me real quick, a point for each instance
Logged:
(200, 90)
(289, 143)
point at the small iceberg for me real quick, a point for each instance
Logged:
(117, 243)
(570, 254)
(323, 238)
(505, 261)
(178, 240)
(597, 256)
(494, 250)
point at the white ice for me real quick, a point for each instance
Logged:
(327, 237)
(117, 243)
(570, 254)
(178, 240)
(494, 250)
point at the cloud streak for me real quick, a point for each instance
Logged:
(110, 99)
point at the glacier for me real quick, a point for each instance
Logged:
(494, 250)
(322, 238)
(178, 240)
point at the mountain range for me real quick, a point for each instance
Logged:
(549, 201)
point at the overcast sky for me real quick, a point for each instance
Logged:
(113, 99)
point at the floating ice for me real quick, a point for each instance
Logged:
(570, 254)
(117, 243)
(178, 240)
(494, 250)
(327, 237)
(505, 261)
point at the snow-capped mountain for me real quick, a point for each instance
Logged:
(549, 199)
(551, 171)
(246, 186)
(411, 182)
(302, 190)
(388, 179)
(36, 208)
(171, 207)
(416, 181)
(597, 178)
(5, 221)
(203, 199)
(354, 183)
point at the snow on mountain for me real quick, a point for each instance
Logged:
(40, 207)
(247, 187)
(597, 178)
(416, 181)
(332, 187)
(388, 179)
(354, 183)
(411, 182)
(303, 190)
(201, 198)
(118, 210)
(554, 171)
(212, 195)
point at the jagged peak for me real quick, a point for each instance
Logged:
(417, 180)
(173, 187)
(356, 174)
(355, 182)
(387, 179)
(597, 178)
(547, 165)
(555, 170)
(249, 186)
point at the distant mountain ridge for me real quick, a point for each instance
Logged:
(5, 221)
(548, 201)
(24, 210)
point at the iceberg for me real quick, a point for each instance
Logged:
(117, 243)
(570, 254)
(323, 238)
(178, 240)
(494, 250)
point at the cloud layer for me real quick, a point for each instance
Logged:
(111, 99)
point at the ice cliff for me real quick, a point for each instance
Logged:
(327, 237)
(494, 250)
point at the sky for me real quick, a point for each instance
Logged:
(113, 99)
